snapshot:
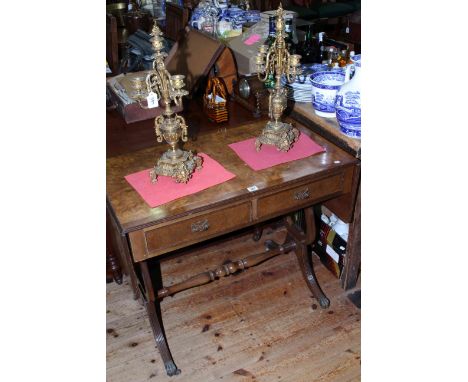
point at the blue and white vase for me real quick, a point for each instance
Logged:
(325, 86)
(348, 103)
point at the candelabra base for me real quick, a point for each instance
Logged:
(178, 164)
(280, 134)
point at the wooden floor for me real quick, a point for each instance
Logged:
(259, 325)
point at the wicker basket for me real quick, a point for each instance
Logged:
(215, 100)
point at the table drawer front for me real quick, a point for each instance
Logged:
(197, 228)
(298, 196)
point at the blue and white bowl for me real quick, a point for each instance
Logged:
(325, 85)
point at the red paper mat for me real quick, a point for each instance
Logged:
(269, 156)
(166, 189)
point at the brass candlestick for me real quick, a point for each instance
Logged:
(278, 62)
(176, 163)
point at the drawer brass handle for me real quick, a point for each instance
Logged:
(200, 226)
(300, 195)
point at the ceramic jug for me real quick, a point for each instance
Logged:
(348, 102)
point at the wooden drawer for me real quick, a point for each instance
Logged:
(169, 236)
(299, 196)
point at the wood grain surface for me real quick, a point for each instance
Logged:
(132, 212)
(259, 325)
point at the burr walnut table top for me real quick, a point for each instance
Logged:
(228, 206)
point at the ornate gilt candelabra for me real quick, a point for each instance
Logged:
(276, 61)
(176, 163)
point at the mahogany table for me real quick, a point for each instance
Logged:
(149, 234)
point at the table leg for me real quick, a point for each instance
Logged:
(111, 258)
(114, 265)
(120, 248)
(127, 258)
(305, 261)
(154, 313)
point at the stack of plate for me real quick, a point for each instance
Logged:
(301, 89)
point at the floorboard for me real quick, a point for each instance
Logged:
(259, 325)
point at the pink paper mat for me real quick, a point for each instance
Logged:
(269, 156)
(166, 189)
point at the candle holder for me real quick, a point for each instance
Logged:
(276, 61)
(176, 163)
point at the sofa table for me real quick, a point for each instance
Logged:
(149, 234)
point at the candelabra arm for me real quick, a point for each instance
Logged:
(177, 100)
(165, 79)
(267, 70)
(290, 75)
(153, 81)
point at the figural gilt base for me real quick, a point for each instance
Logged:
(280, 134)
(177, 164)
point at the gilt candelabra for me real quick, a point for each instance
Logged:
(161, 85)
(275, 61)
